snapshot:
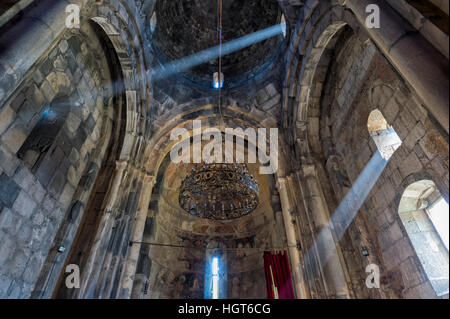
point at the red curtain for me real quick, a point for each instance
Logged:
(276, 266)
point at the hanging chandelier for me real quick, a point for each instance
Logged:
(219, 191)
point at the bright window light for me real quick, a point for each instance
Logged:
(215, 277)
(439, 215)
(218, 83)
(283, 25)
(153, 22)
(215, 266)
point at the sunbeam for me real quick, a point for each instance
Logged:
(201, 57)
(349, 207)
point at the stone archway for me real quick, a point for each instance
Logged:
(102, 198)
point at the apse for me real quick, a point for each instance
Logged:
(211, 246)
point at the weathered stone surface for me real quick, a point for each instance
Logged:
(17, 101)
(14, 137)
(9, 190)
(48, 91)
(271, 103)
(410, 165)
(73, 122)
(34, 96)
(24, 205)
(6, 118)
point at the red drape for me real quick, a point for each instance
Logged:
(279, 263)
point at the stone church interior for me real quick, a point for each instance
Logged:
(118, 173)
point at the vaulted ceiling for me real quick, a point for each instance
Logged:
(185, 27)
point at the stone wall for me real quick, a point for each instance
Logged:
(336, 75)
(64, 179)
(37, 194)
(423, 155)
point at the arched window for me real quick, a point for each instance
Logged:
(153, 22)
(425, 215)
(215, 277)
(384, 136)
(215, 287)
(215, 271)
(41, 140)
(283, 25)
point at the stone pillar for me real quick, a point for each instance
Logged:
(329, 250)
(422, 66)
(104, 231)
(309, 257)
(299, 281)
(136, 239)
(141, 283)
(117, 181)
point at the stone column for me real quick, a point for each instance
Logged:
(103, 233)
(136, 239)
(422, 66)
(299, 281)
(328, 248)
(309, 257)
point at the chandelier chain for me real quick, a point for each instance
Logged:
(219, 34)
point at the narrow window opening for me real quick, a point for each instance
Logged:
(41, 139)
(283, 25)
(153, 22)
(384, 135)
(439, 215)
(218, 80)
(215, 277)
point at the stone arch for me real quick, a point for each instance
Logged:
(309, 90)
(159, 147)
(131, 89)
(78, 149)
(123, 143)
(176, 216)
(316, 35)
(203, 110)
(124, 26)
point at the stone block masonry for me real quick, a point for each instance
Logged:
(36, 190)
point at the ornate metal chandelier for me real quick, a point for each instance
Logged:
(219, 191)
